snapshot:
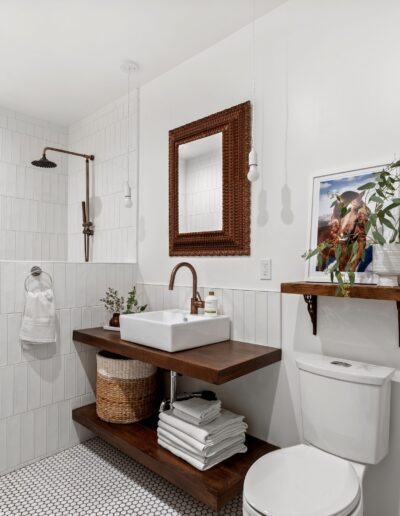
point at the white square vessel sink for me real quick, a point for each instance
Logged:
(174, 330)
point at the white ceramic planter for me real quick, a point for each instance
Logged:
(386, 263)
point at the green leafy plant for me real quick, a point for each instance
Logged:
(132, 304)
(377, 221)
(113, 302)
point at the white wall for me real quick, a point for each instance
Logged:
(41, 384)
(327, 89)
(104, 134)
(33, 201)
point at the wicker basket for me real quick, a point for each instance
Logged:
(125, 389)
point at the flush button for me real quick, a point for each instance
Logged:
(341, 364)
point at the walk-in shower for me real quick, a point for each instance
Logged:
(88, 229)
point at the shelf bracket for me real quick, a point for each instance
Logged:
(311, 302)
(398, 317)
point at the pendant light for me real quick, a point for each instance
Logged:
(253, 173)
(128, 67)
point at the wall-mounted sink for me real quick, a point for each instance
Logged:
(174, 330)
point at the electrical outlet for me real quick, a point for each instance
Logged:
(265, 269)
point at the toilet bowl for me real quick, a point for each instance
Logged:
(345, 411)
(303, 481)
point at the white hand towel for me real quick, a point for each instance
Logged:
(215, 429)
(232, 432)
(39, 320)
(198, 408)
(203, 465)
(194, 420)
(208, 451)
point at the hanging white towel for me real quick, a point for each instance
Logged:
(39, 320)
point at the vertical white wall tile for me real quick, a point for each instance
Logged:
(13, 437)
(27, 437)
(13, 342)
(238, 315)
(34, 385)
(3, 339)
(40, 431)
(64, 417)
(261, 318)
(249, 316)
(20, 388)
(46, 376)
(8, 287)
(58, 380)
(7, 391)
(52, 428)
(274, 320)
(3, 446)
(70, 376)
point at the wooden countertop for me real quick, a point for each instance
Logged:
(215, 363)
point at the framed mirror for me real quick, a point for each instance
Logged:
(209, 194)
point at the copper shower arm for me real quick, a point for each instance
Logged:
(86, 156)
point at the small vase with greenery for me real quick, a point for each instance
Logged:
(115, 304)
(374, 224)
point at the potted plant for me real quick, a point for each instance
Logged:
(115, 305)
(374, 223)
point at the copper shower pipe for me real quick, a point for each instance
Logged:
(87, 225)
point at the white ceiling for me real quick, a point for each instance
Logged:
(60, 59)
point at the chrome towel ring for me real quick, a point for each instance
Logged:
(35, 272)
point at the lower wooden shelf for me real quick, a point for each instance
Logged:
(214, 487)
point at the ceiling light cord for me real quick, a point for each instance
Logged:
(253, 173)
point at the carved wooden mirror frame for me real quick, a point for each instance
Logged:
(234, 238)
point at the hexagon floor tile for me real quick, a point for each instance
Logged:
(95, 479)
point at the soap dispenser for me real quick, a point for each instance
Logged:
(211, 305)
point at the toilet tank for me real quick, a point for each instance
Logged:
(345, 406)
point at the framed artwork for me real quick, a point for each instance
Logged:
(328, 224)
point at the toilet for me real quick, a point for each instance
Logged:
(345, 409)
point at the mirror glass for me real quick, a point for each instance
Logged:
(200, 185)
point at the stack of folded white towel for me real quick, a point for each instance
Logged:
(201, 432)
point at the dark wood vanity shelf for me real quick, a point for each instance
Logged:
(214, 487)
(215, 363)
(310, 291)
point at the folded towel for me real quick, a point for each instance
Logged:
(194, 420)
(205, 463)
(206, 451)
(198, 408)
(230, 433)
(39, 320)
(216, 430)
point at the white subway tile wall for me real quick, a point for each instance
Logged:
(41, 384)
(104, 134)
(33, 201)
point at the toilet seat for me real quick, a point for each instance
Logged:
(302, 481)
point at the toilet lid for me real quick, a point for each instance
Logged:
(302, 481)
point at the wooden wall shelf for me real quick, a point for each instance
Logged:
(310, 291)
(215, 363)
(214, 487)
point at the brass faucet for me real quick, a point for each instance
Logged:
(196, 302)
